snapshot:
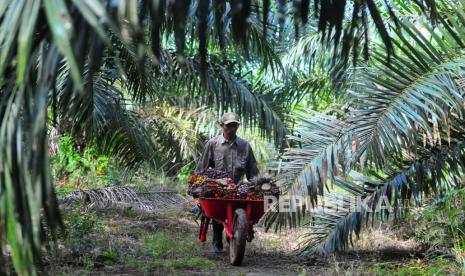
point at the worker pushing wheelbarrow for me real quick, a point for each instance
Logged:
(226, 159)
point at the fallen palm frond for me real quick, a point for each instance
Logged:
(125, 197)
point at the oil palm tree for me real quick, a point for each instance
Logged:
(81, 60)
(400, 138)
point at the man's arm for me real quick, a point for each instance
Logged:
(251, 169)
(207, 158)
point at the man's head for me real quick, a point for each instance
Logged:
(230, 123)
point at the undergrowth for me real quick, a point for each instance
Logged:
(419, 267)
(440, 227)
(72, 169)
(170, 252)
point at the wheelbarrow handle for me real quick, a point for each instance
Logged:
(204, 222)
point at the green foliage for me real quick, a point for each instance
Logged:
(72, 169)
(185, 172)
(110, 256)
(130, 213)
(82, 221)
(79, 223)
(459, 249)
(444, 221)
(441, 225)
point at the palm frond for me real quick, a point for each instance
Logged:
(316, 69)
(331, 233)
(180, 135)
(412, 94)
(331, 229)
(120, 131)
(322, 141)
(406, 121)
(102, 117)
(25, 186)
(262, 48)
(124, 197)
(418, 172)
(176, 132)
(338, 216)
(305, 53)
(320, 144)
(221, 89)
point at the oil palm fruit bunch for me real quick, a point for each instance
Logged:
(252, 196)
(258, 187)
(213, 190)
(195, 184)
(205, 183)
(230, 190)
(243, 190)
(197, 179)
(212, 173)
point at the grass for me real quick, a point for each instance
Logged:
(191, 263)
(109, 255)
(173, 213)
(104, 241)
(168, 252)
(436, 266)
(115, 241)
(163, 245)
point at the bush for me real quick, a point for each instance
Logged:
(441, 226)
(72, 169)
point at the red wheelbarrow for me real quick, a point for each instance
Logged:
(238, 217)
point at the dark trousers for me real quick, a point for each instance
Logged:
(217, 234)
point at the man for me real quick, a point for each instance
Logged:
(231, 154)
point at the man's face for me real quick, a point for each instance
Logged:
(230, 129)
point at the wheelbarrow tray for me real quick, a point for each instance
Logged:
(237, 216)
(217, 208)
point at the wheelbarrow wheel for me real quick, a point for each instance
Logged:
(237, 244)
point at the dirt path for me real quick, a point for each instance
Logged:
(124, 243)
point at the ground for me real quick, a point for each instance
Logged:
(122, 242)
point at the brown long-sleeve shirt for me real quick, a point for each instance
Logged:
(237, 159)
